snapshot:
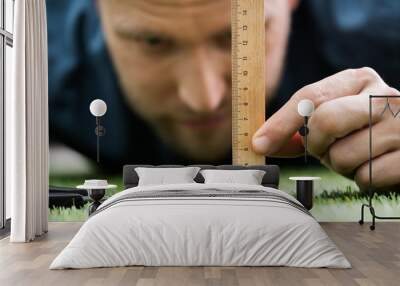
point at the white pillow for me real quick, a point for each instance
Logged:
(248, 177)
(163, 176)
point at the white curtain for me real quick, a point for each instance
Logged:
(27, 124)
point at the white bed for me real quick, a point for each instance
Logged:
(208, 230)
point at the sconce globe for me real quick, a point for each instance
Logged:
(98, 108)
(305, 108)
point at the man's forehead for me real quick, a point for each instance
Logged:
(270, 5)
(170, 18)
(128, 11)
(179, 3)
(165, 8)
(207, 13)
(170, 3)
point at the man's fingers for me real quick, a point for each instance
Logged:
(382, 175)
(277, 130)
(342, 116)
(351, 152)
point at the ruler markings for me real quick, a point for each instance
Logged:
(248, 78)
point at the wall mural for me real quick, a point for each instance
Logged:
(166, 79)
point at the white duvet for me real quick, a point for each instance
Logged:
(200, 231)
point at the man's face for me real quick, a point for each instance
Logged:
(173, 59)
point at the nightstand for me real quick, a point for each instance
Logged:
(305, 190)
(96, 190)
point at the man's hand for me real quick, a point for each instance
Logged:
(339, 134)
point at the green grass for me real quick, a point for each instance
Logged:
(349, 208)
(336, 198)
(68, 214)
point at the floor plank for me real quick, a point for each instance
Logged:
(375, 257)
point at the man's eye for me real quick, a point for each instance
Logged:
(154, 41)
(157, 45)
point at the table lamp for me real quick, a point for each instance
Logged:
(305, 108)
(98, 108)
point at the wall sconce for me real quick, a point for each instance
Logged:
(98, 108)
(305, 108)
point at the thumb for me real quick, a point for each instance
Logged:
(278, 135)
(294, 147)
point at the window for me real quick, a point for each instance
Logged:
(6, 62)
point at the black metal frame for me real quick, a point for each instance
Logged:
(371, 191)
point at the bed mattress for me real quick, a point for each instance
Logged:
(201, 225)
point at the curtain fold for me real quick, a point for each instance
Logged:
(27, 140)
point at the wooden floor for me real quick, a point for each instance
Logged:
(375, 257)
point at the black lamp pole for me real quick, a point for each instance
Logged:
(98, 108)
(305, 108)
(100, 131)
(98, 138)
(304, 132)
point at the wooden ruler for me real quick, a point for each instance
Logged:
(248, 78)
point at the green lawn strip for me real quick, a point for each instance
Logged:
(344, 209)
(336, 198)
(349, 209)
(68, 214)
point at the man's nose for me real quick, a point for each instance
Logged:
(202, 80)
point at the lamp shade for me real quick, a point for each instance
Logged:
(98, 107)
(305, 108)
